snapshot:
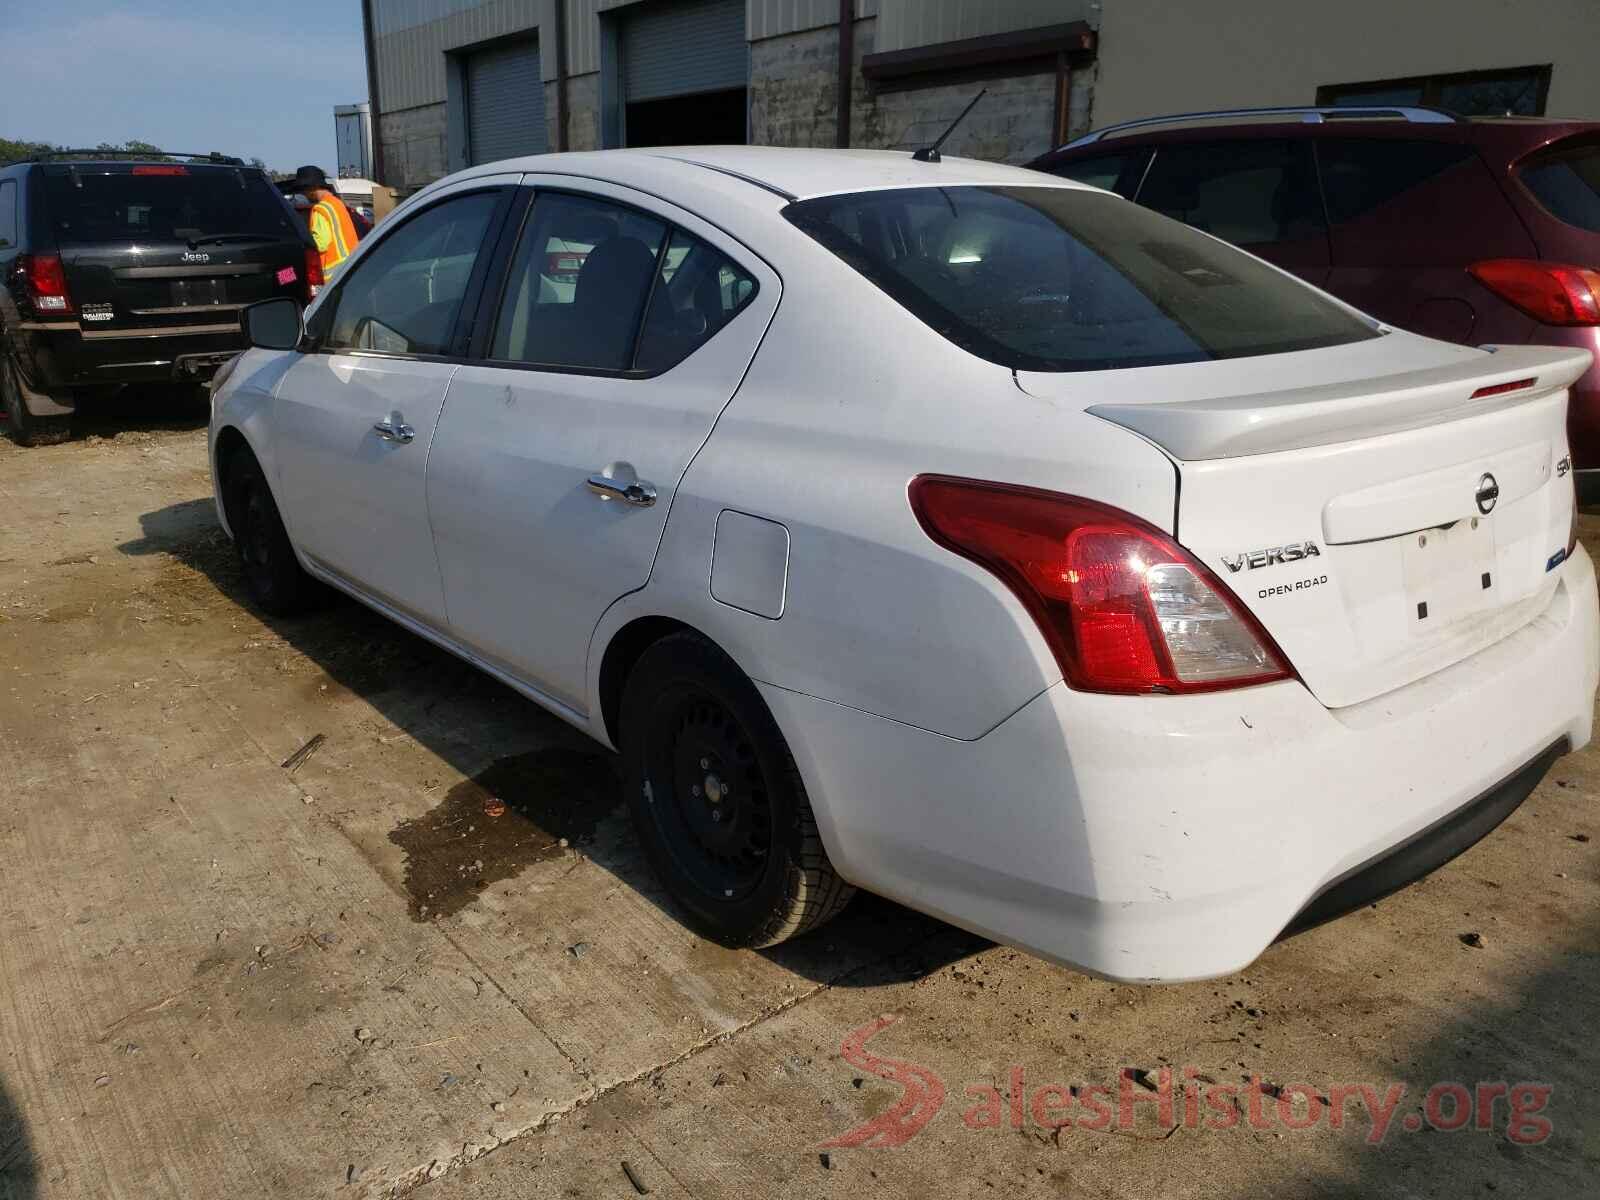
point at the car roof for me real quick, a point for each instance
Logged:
(1504, 137)
(793, 174)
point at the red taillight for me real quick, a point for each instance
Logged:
(564, 264)
(161, 170)
(314, 278)
(1123, 607)
(1553, 293)
(46, 281)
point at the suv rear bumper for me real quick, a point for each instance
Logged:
(67, 356)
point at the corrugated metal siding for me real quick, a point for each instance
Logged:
(905, 24)
(505, 103)
(684, 47)
(772, 18)
(410, 58)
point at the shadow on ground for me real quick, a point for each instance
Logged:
(19, 1176)
(1543, 1132)
(171, 408)
(555, 783)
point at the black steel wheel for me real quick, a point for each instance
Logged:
(717, 801)
(272, 573)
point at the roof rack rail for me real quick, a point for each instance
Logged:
(123, 155)
(1312, 115)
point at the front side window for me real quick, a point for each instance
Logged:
(1060, 279)
(579, 284)
(1250, 193)
(404, 295)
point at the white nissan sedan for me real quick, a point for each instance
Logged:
(942, 529)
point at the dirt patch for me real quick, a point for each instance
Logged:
(456, 850)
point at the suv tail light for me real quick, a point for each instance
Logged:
(1553, 293)
(1123, 607)
(46, 282)
(314, 276)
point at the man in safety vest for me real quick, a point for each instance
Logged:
(331, 227)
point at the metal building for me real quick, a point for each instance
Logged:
(455, 82)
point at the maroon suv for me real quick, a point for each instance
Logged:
(1481, 230)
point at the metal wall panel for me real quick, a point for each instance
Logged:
(684, 47)
(410, 56)
(772, 18)
(906, 24)
(505, 103)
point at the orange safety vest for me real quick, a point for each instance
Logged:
(332, 230)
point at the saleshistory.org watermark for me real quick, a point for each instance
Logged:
(1186, 1097)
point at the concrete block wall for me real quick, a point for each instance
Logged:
(794, 102)
(414, 152)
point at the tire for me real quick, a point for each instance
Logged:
(26, 428)
(272, 574)
(717, 801)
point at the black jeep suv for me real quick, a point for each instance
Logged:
(133, 272)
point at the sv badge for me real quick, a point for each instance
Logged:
(1266, 557)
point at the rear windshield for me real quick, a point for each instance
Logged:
(182, 205)
(1566, 182)
(1061, 279)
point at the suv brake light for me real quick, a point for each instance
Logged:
(1123, 607)
(46, 282)
(314, 277)
(1553, 293)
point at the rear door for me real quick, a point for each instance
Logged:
(355, 416)
(625, 326)
(168, 248)
(1406, 217)
(1259, 194)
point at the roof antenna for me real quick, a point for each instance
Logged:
(930, 154)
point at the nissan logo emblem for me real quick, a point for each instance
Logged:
(1488, 492)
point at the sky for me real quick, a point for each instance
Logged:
(256, 78)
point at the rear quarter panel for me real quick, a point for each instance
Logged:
(849, 398)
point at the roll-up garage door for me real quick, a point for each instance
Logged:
(683, 47)
(505, 103)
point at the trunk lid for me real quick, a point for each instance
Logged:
(1384, 509)
(156, 248)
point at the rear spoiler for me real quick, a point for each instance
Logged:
(1293, 419)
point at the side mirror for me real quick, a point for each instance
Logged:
(272, 324)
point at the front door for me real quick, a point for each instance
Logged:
(356, 415)
(623, 330)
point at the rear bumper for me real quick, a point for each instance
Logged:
(70, 357)
(1172, 838)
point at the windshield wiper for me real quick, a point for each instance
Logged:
(231, 237)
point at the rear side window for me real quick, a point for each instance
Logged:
(699, 291)
(1250, 193)
(1058, 279)
(8, 213)
(1120, 172)
(1363, 176)
(163, 202)
(1566, 182)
